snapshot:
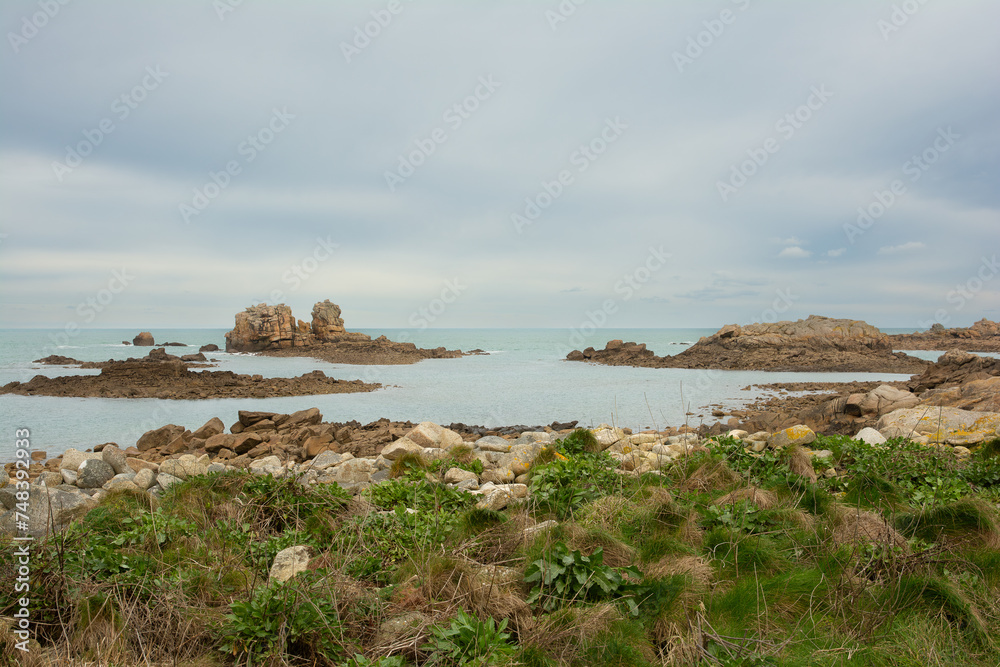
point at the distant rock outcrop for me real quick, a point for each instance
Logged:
(144, 339)
(272, 330)
(983, 336)
(817, 344)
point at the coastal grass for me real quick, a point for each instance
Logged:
(725, 557)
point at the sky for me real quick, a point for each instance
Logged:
(499, 164)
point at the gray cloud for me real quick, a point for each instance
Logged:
(323, 175)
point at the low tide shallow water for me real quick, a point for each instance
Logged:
(524, 380)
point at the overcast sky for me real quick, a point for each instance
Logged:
(500, 164)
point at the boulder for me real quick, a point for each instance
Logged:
(213, 426)
(870, 436)
(160, 437)
(309, 417)
(400, 448)
(144, 478)
(354, 471)
(429, 434)
(48, 510)
(49, 478)
(211, 347)
(288, 563)
(94, 473)
(884, 399)
(183, 467)
(269, 465)
(144, 339)
(137, 464)
(165, 481)
(520, 457)
(941, 424)
(982, 395)
(115, 458)
(793, 435)
(492, 443)
(458, 475)
(72, 458)
(328, 459)
(220, 441)
(609, 436)
(122, 484)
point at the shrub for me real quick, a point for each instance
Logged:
(580, 441)
(564, 486)
(468, 641)
(564, 577)
(279, 620)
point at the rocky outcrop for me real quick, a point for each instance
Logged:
(171, 379)
(983, 336)
(272, 330)
(951, 426)
(953, 368)
(144, 339)
(816, 344)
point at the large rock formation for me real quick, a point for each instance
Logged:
(817, 344)
(267, 327)
(272, 330)
(983, 336)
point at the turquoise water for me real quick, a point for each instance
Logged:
(524, 380)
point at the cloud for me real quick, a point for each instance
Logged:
(897, 249)
(572, 290)
(836, 253)
(795, 252)
(791, 240)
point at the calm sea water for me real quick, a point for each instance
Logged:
(524, 380)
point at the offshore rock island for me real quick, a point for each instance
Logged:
(816, 344)
(161, 375)
(273, 331)
(983, 336)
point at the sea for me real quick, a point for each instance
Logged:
(523, 380)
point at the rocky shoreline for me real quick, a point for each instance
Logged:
(816, 344)
(983, 336)
(164, 376)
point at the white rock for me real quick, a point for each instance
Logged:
(165, 481)
(493, 443)
(269, 465)
(429, 434)
(870, 436)
(72, 458)
(326, 459)
(457, 475)
(289, 562)
(738, 433)
(397, 450)
(144, 479)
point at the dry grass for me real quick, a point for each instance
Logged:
(762, 498)
(712, 476)
(695, 567)
(562, 634)
(856, 526)
(616, 552)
